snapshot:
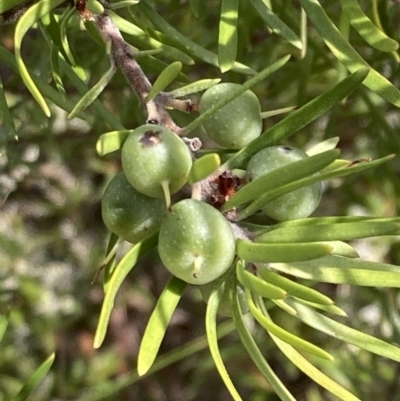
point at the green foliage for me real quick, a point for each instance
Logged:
(77, 78)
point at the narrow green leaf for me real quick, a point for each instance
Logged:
(65, 17)
(191, 47)
(34, 380)
(5, 114)
(93, 93)
(258, 286)
(164, 79)
(272, 328)
(203, 167)
(55, 69)
(228, 36)
(3, 324)
(297, 120)
(366, 28)
(339, 270)
(292, 288)
(327, 308)
(235, 93)
(280, 303)
(311, 371)
(122, 4)
(111, 141)
(194, 87)
(121, 271)
(100, 109)
(324, 146)
(253, 350)
(273, 253)
(211, 330)
(277, 112)
(324, 175)
(158, 324)
(276, 24)
(110, 263)
(342, 332)
(24, 24)
(345, 53)
(330, 232)
(280, 177)
(49, 92)
(329, 220)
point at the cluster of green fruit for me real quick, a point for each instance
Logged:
(196, 241)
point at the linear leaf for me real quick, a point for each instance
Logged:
(253, 350)
(34, 13)
(340, 270)
(257, 285)
(330, 232)
(366, 28)
(166, 77)
(346, 54)
(120, 272)
(203, 167)
(194, 87)
(8, 4)
(324, 175)
(34, 380)
(345, 333)
(3, 324)
(228, 35)
(298, 119)
(292, 288)
(211, 330)
(323, 146)
(273, 253)
(111, 141)
(191, 47)
(272, 328)
(158, 324)
(281, 176)
(93, 93)
(276, 24)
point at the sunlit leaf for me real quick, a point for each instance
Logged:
(345, 333)
(346, 54)
(126, 264)
(158, 324)
(276, 24)
(24, 24)
(228, 34)
(203, 167)
(194, 87)
(340, 270)
(211, 330)
(164, 79)
(366, 28)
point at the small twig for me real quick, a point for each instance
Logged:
(124, 58)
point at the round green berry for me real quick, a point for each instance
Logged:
(294, 205)
(128, 213)
(196, 243)
(236, 124)
(154, 158)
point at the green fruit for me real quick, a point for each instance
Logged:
(196, 243)
(236, 124)
(128, 213)
(154, 158)
(294, 205)
(224, 308)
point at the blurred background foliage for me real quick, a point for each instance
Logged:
(52, 239)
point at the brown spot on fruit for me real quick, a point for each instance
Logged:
(150, 138)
